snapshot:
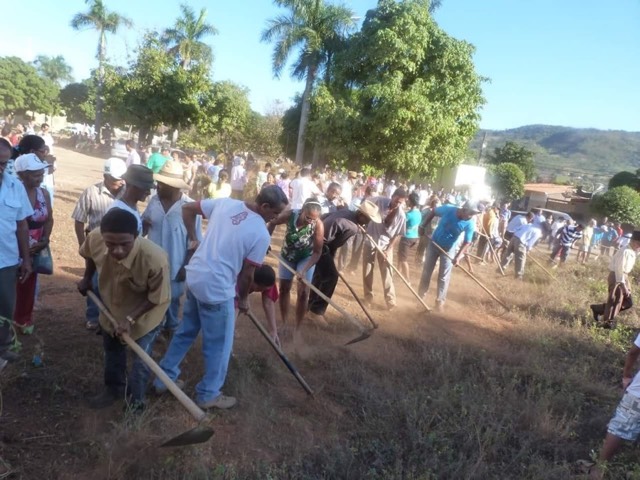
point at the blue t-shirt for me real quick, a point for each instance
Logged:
(450, 227)
(414, 217)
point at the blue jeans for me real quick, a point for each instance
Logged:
(217, 322)
(115, 366)
(171, 319)
(93, 312)
(444, 275)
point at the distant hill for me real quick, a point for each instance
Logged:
(571, 152)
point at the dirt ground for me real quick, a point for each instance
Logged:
(47, 430)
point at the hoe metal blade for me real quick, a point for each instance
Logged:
(190, 437)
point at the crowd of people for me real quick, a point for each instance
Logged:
(147, 266)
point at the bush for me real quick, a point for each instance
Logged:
(621, 204)
(507, 181)
(622, 179)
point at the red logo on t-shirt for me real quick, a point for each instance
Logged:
(237, 219)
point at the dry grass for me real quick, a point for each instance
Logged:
(475, 393)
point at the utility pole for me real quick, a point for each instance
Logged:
(482, 147)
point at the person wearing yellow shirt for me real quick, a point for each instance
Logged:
(221, 188)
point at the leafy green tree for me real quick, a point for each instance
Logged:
(507, 180)
(620, 204)
(264, 132)
(512, 152)
(184, 40)
(22, 89)
(403, 96)
(628, 179)
(155, 90)
(99, 18)
(55, 69)
(313, 28)
(78, 101)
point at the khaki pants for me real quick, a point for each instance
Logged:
(369, 256)
(519, 250)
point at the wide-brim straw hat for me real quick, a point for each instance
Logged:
(171, 174)
(371, 210)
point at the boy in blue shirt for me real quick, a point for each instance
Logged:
(454, 221)
(411, 236)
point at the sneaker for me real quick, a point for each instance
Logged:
(595, 314)
(163, 389)
(439, 306)
(91, 326)
(391, 306)
(104, 399)
(10, 356)
(317, 318)
(221, 401)
(26, 329)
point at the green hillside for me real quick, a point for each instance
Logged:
(572, 152)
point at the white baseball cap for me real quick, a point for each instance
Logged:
(29, 162)
(114, 167)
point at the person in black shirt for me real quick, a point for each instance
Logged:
(339, 227)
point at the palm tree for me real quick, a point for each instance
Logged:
(103, 21)
(184, 40)
(311, 27)
(55, 69)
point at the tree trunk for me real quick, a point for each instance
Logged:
(304, 114)
(99, 90)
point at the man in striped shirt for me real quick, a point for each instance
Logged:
(566, 238)
(91, 207)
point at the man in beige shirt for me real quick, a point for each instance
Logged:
(134, 283)
(619, 286)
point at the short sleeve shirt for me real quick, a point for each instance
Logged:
(450, 227)
(14, 207)
(379, 231)
(93, 203)
(414, 217)
(124, 284)
(235, 234)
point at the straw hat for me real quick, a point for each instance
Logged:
(171, 174)
(371, 210)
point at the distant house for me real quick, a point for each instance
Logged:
(561, 198)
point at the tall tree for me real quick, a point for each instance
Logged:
(313, 28)
(512, 152)
(184, 40)
(55, 69)
(103, 21)
(22, 89)
(403, 97)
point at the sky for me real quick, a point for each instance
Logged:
(559, 62)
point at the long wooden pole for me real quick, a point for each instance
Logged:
(534, 260)
(491, 294)
(362, 305)
(342, 311)
(393, 267)
(493, 252)
(195, 411)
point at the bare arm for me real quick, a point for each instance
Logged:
(318, 243)
(79, 229)
(461, 252)
(189, 213)
(244, 284)
(22, 234)
(279, 220)
(269, 307)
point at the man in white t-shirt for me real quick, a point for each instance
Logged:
(235, 243)
(625, 424)
(347, 187)
(133, 157)
(302, 188)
